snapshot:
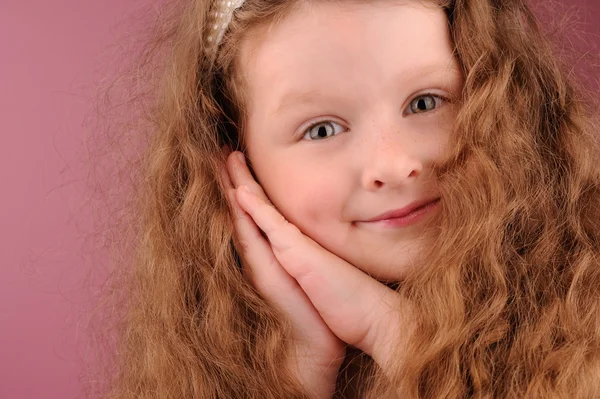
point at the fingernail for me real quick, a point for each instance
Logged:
(240, 156)
(245, 188)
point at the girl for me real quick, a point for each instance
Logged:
(365, 199)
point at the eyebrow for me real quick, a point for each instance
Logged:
(298, 97)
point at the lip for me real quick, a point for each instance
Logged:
(416, 212)
(400, 213)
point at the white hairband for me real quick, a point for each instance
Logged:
(221, 18)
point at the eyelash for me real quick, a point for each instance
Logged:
(438, 99)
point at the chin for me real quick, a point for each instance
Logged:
(394, 277)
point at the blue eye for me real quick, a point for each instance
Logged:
(425, 103)
(322, 130)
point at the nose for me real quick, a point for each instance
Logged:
(390, 163)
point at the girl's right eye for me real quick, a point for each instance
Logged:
(322, 130)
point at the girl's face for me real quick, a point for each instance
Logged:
(346, 115)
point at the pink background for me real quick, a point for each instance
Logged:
(53, 53)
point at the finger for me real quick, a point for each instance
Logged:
(225, 179)
(247, 237)
(239, 219)
(318, 351)
(357, 308)
(240, 174)
(267, 275)
(223, 175)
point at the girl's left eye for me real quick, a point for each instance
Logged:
(425, 103)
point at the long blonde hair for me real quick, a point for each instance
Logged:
(509, 302)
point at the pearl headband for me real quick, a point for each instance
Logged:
(221, 18)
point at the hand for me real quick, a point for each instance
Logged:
(319, 353)
(358, 309)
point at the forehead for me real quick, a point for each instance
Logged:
(342, 44)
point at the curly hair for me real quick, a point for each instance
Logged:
(509, 299)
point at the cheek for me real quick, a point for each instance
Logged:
(309, 203)
(308, 198)
(445, 130)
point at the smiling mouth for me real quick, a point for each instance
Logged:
(404, 221)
